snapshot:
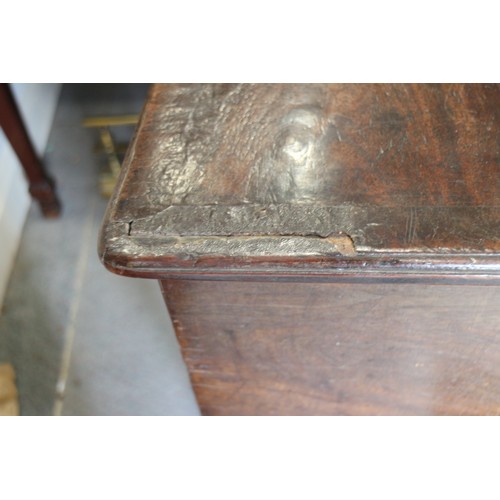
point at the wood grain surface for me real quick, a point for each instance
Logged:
(339, 349)
(285, 177)
(309, 240)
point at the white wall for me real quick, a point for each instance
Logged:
(37, 102)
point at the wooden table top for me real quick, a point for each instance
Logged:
(311, 180)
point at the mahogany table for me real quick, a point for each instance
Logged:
(322, 249)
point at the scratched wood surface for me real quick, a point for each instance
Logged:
(339, 349)
(310, 180)
(296, 231)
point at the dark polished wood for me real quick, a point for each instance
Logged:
(282, 219)
(41, 185)
(339, 349)
(293, 178)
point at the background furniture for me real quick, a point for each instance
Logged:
(41, 185)
(114, 152)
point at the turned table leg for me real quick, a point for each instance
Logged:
(41, 185)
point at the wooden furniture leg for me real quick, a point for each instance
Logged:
(41, 185)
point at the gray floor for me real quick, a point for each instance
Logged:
(82, 340)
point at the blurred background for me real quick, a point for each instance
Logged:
(81, 340)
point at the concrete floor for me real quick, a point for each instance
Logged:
(82, 340)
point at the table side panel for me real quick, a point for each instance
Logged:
(339, 349)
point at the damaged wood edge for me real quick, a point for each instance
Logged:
(344, 244)
(118, 238)
(334, 257)
(366, 227)
(133, 249)
(146, 261)
(340, 243)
